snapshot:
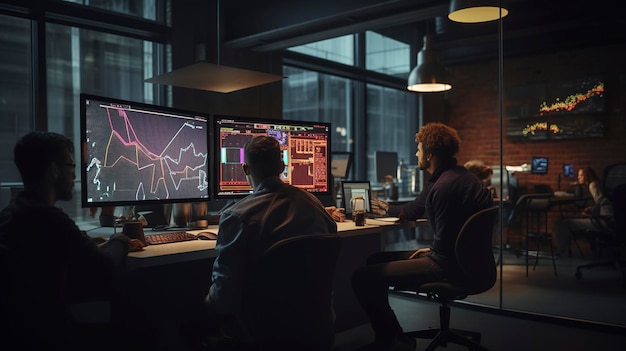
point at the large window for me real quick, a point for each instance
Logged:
(339, 49)
(15, 90)
(101, 60)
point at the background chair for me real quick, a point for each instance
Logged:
(288, 303)
(474, 253)
(537, 207)
(613, 237)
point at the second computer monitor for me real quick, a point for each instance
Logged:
(350, 189)
(305, 148)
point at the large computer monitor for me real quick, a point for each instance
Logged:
(305, 148)
(140, 154)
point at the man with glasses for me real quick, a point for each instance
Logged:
(58, 263)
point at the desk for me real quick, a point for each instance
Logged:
(162, 272)
(155, 255)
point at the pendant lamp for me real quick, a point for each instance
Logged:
(429, 76)
(216, 77)
(476, 11)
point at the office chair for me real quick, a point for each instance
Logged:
(613, 237)
(287, 305)
(533, 209)
(26, 326)
(474, 253)
(537, 207)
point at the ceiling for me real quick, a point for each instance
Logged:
(532, 26)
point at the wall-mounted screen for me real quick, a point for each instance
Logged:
(304, 145)
(568, 171)
(539, 165)
(134, 153)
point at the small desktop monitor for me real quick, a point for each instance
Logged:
(386, 164)
(539, 165)
(139, 154)
(340, 164)
(568, 171)
(350, 189)
(305, 149)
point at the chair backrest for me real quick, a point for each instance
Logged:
(474, 251)
(618, 200)
(289, 297)
(613, 176)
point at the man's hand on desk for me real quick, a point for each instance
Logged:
(135, 245)
(418, 252)
(337, 214)
(379, 207)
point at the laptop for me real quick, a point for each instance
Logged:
(350, 189)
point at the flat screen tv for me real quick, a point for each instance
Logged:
(139, 154)
(305, 148)
(568, 171)
(539, 165)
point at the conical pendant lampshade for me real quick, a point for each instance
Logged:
(429, 76)
(476, 11)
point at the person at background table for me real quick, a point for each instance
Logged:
(483, 172)
(594, 216)
(450, 196)
(274, 211)
(61, 264)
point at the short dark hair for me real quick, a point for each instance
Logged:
(262, 154)
(439, 139)
(36, 151)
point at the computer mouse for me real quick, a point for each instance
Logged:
(207, 236)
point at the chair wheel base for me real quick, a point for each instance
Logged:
(441, 338)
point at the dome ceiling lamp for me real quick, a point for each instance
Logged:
(476, 11)
(429, 76)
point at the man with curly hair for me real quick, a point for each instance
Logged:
(450, 196)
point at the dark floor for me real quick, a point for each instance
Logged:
(540, 311)
(499, 332)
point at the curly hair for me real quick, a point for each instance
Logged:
(439, 139)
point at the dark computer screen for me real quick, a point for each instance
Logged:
(305, 149)
(340, 164)
(138, 154)
(539, 165)
(386, 164)
(568, 171)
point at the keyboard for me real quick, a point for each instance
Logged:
(171, 237)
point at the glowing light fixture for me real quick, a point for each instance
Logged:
(429, 76)
(476, 11)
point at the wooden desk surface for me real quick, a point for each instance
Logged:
(163, 254)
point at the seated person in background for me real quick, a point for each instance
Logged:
(450, 196)
(274, 211)
(597, 215)
(61, 264)
(483, 172)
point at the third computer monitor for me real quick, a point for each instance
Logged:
(305, 148)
